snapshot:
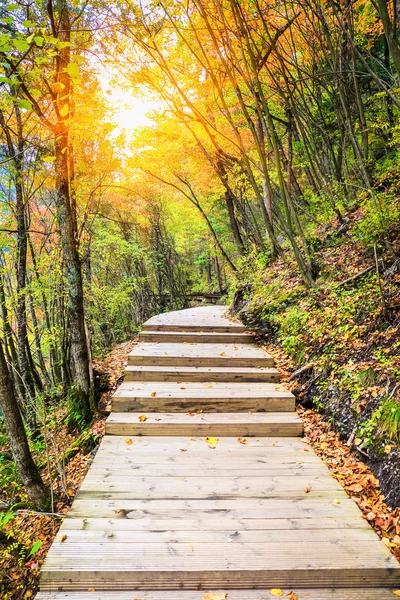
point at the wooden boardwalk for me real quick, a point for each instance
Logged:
(203, 484)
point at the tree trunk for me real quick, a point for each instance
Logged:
(390, 34)
(27, 469)
(66, 216)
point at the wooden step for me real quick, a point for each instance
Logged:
(205, 424)
(229, 374)
(166, 566)
(206, 319)
(302, 594)
(200, 355)
(195, 337)
(210, 397)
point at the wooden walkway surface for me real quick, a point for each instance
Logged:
(202, 484)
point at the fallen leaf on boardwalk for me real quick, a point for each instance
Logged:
(292, 596)
(191, 548)
(388, 543)
(223, 354)
(307, 490)
(242, 441)
(153, 394)
(91, 590)
(194, 439)
(192, 414)
(183, 449)
(276, 592)
(158, 419)
(215, 596)
(211, 440)
(63, 538)
(336, 501)
(142, 418)
(128, 441)
(396, 592)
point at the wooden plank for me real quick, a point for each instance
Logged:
(223, 444)
(302, 594)
(116, 486)
(190, 396)
(110, 537)
(195, 337)
(255, 508)
(198, 521)
(256, 565)
(214, 424)
(134, 469)
(171, 373)
(204, 318)
(200, 355)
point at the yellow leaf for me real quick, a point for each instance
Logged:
(243, 441)
(336, 501)
(223, 354)
(396, 592)
(211, 440)
(142, 418)
(58, 86)
(388, 449)
(214, 596)
(63, 538)
(64, 110)
(128, 441)
(153, 394)
(276, 592)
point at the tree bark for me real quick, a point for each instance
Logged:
(27, 469)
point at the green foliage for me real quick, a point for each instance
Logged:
(382, 214)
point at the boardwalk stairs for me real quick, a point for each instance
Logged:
(203, 485)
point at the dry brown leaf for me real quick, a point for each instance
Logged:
(153, 394)
(183, 449)
(292, 596)
(243, 441)
(63, 538)
(307, 490)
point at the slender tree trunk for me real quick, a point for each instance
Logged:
(66, 216)
(390, 33)
(27, 469)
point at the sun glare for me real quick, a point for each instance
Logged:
(129, 112)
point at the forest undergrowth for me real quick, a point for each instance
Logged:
(26, 535)
(342, 340)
